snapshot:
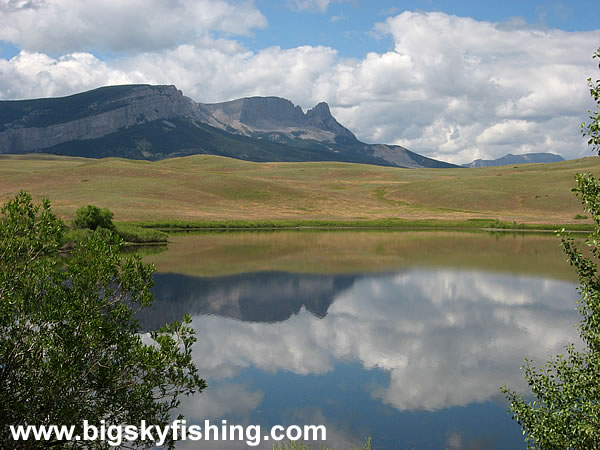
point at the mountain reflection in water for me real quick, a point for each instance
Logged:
(413, 359)
(252, 297)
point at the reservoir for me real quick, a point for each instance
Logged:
(401, 336)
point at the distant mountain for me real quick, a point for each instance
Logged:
(509, 159)
(156, 122)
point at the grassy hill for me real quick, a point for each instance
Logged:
(211, 188)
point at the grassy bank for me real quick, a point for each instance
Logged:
(212, 191)
(130, 233)
(484, 224)
(138, 235)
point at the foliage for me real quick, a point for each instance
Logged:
(70, 344)
(592, 130)
(75, 235)
(566, 409)
(566, 412)
(92, 217)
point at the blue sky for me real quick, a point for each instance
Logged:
(348, 26)
(453, 80)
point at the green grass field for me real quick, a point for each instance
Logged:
(212, 188)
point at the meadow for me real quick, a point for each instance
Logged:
(206, 189)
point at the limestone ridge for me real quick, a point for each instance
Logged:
(31, 125)
(255, 115)
(156, 122)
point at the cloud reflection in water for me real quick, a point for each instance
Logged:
(445, 337)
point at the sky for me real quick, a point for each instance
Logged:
(452, 80)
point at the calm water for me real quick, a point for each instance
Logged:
(404, 337)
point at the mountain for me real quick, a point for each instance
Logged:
(509, 159)
(156, 122)
(277, 119)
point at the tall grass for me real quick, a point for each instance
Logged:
(135, 234)
(128, 232)
(377, 223)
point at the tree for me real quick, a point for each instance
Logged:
(92, 217)
(593, 128)
(566, 409)
(71, 348)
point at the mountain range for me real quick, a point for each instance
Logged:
(509, 159)
(156, 122)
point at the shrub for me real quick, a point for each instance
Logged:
(92, 217)
(71, 348)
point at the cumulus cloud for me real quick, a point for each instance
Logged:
(222, 401)
(451, 88)
(446, 338)
(32, 75)
(454, 86)
(120, 26)
(217, 74)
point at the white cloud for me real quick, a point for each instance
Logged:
(120, 26)
(452, 88)
(461, 80)
(221, 401)
(217, 74)
(507, 132)
(446, 338)
(32, 75)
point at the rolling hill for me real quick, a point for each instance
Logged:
(210, 188)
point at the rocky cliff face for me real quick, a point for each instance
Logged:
(155, 122)
(140, 104)
(265, 112)
(249, 116)
(320, 117)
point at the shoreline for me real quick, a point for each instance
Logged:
(378, 224)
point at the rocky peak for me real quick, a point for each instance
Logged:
(272, 114)
(320, 117)
(320, 111)
(257, 110)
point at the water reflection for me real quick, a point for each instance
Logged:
(412, 358)
(253, 297)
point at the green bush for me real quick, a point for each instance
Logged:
(565, 412)
(71, 348)
(74, 235)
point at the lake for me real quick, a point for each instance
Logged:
(401, 336)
